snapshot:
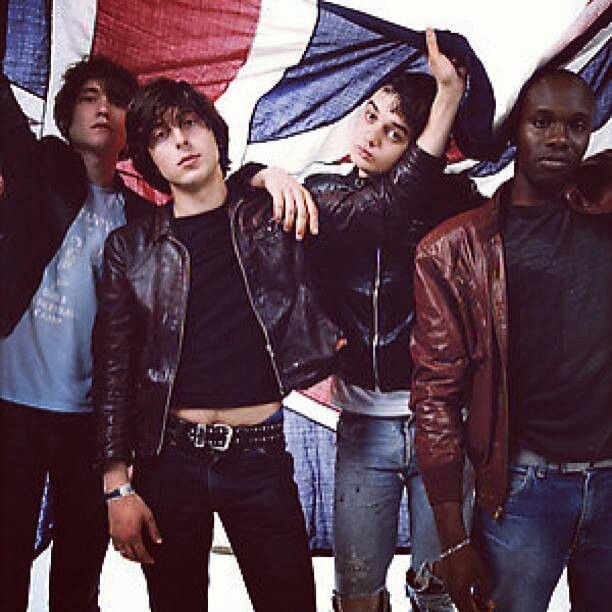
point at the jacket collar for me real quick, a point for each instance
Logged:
(163, 221)
(591, 194)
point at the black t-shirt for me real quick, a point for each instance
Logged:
(224, 362)
(559, 267)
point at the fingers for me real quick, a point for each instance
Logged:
(278, 205)
(152, 528)
(313, 212)
(134, 551)
(289, 209)
(432, 43)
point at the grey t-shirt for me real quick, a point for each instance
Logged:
(46, 361)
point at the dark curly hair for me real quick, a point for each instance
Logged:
(119, 85)
(146, 112)
(415, 94)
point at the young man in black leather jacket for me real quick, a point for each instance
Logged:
(368, 290)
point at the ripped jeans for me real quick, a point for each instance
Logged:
(375, 461)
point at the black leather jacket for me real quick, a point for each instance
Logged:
(142, 304)
(367, 285)
(45, 187)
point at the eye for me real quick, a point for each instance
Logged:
(541, 122)
(395, 135)
(158, 135)
(579, 125)
(370, 116)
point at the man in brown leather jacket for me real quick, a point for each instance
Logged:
(514, 320)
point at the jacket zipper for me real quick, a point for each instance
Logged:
(180, 342)
(248, 292)
(375, 340)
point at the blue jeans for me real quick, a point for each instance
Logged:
(256, 498)
(550, 521)
(375, 461)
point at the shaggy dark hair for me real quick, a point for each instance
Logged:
(117, 82)
(146, 112)
(415, 93)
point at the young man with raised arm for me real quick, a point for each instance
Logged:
(397, 147)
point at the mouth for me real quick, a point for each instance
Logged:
(184, 161)
(364, 154)
(555, 163)
(102, 126)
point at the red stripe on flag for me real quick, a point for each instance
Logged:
(204, 43)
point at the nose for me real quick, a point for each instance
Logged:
(558, 134)
(103, 106)
(179, 137)
(373, 135)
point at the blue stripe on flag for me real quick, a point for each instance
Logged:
(348, 56)
(26, 59)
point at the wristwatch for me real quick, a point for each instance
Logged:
(121, 491)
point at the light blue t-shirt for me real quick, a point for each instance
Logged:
(46, 361)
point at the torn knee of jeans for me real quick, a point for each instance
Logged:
(356, 568)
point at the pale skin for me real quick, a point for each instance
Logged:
(186, 153)
(97, 132)
(381, 135)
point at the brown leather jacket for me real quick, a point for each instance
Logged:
(142, 299)
(460, 340)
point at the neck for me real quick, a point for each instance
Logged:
(207, 197)
(100, 169)
(526, 193)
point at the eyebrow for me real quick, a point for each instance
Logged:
(396, 125)
(96, 89)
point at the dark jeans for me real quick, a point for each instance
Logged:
(32, 442)
(256, 498)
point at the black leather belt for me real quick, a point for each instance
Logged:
(527, 457)
(221, 437)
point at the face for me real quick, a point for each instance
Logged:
(97, 125)
(552, 136)
(380, 135)
(185, 151)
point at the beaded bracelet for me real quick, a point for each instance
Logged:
(453, 549)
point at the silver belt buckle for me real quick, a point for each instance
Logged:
(198, 435)
(228, 431)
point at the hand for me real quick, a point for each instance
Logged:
(449, 76)
(292, 203)
(127, 517)
(465, 579)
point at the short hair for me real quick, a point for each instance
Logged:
(510, 126)
(119, 85)
(415, 94)
(147, 110)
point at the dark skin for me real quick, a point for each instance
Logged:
(552, 135)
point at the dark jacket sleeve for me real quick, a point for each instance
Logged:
(384, 206)
(114, 345)
(439, 376)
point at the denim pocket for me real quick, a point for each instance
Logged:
(518, 479)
